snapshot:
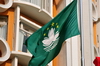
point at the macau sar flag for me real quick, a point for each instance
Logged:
(46, 43)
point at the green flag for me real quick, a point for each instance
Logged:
(46, 43)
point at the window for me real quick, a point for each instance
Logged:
(24, 32)
(47, 5)
(37, 2)
(3, 27)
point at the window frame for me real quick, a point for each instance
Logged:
(29, 23)
(4, 25)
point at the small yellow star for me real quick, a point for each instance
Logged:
(57, 26)
(53, 24)
(47, 28)
(56, 23)
(44, 34)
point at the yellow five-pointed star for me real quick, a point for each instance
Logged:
(47, 28)
(52, 24)
(56, 23)
(44, 34)
(57, 26)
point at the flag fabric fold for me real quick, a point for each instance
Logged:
(45, 43)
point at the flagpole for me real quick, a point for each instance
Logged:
(81, 31)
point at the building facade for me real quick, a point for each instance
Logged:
(20, 18)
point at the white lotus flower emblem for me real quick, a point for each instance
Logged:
(49, 41)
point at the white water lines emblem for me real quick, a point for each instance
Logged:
(51, 41)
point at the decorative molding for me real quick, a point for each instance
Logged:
(4, 7)
(94, 12)
(5, 50)
(96, 51)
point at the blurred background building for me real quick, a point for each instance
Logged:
(20, 18)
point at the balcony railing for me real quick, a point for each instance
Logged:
(43, 4)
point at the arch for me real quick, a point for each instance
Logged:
(4, 7)
(5, 50)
